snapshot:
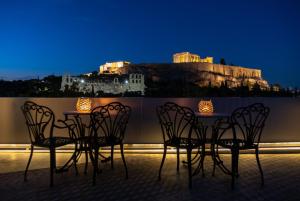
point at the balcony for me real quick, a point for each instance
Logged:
(280, 150)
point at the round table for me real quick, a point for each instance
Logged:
(210, 116)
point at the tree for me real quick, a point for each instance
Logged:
(256, 90)
(94, 74)
(222, 61)
(74, 87)
(93, 91)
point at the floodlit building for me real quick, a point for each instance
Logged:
(186, 57)
(107, 84)
(122, 76)
(112, 67)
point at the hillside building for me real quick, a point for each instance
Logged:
(112, 67)
(122, 76)
(107, 84)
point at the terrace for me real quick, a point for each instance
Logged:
(279, 156)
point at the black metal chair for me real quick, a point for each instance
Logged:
(109, 125)
(40, 120)
(246, 125)
(181, 129)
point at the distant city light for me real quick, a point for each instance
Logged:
(82, 81)
(126, 81)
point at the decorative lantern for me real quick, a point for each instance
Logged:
(84, 104)
(205, 106)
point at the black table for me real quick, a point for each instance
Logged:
(83, 139)
(208, 116)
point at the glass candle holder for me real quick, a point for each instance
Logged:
(205, 106)
(84, 104)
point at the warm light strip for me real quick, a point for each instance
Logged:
(284, 147)
(279, 144)
(154, 145)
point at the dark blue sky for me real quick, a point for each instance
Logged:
(64, 36)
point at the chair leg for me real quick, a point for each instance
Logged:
(177, 151)
(30, 157)
(202, 159)
(162, 162)
(233, 167)
(259, 166)
(75, 161)
(123, 158)
(214, 168)
(112, 157)
(52, 164)
(237, 163)
(91, 155)
(95, 162)
(213, 155)
(86, 161)
(189, 160)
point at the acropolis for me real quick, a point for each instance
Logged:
(202, 71)
(123, 76)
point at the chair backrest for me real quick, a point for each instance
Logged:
(110, 120)
(250, 121)
(73, 128)
(38, 119)
(175, 121)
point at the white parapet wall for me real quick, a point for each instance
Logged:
(283, 124)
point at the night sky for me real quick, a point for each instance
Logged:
(63, 36)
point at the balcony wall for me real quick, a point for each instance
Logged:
(283, 125)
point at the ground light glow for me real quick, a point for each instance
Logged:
(277, 147)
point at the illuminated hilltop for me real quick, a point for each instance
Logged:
(193, 68)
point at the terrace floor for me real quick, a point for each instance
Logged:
(282, 180)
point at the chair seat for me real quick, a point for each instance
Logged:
(183, 142)
(57, 142)
(241, 144)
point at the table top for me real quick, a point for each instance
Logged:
(74, 112)
(212, 115)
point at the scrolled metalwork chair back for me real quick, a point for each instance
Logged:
(73, 128)
(38, 120)
(176, 122)
(41, 120)
(241, 131)
(182, 130)
(249, 122)
(110, 121)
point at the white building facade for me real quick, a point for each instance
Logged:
(117, 84)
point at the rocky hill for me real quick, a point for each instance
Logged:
(202, 74)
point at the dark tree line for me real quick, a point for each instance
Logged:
(46, 87)
(50, 87)
(181, 88)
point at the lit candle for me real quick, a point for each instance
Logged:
(84, 104)
(206, 106)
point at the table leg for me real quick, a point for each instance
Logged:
(69, 163)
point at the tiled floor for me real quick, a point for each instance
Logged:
(282, 180)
